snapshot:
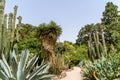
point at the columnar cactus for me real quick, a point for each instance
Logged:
(13, 26)
(4, 31)
(7, 30)
(96, 49)
(2, 5)
(103, 41)
(4, 35)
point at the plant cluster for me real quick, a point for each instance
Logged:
(72, 53)
(103, 68)
(23, 69)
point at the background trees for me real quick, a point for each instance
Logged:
(111, 21)
(111, 31)
(28, 39)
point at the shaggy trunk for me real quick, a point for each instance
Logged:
(48, 48)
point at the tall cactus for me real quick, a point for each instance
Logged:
(13, 26)
(4, 35)
(2, 5)
(7, 30)
(96, 49)
(103, 41)
(91, 57)
(4, 30)
(17, 35)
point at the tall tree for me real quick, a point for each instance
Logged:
(111, 20)
(48, 34)
(84, 32)
(111, 11)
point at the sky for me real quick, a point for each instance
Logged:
(71, 15)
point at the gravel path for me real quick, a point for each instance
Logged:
(74, 74)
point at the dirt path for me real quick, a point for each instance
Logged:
(74, 74)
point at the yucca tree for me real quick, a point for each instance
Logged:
(48, 34)
(21, 70)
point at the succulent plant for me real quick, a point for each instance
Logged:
(23, 69)
(103, 68)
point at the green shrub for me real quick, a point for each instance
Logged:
(77, 55)
(58, 65)
(103, 68)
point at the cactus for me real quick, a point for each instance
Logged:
(96, 49)
(4, 34)
(103, 41)
(13, 26)
(2, 5)
(7, 30)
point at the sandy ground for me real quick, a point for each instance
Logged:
(74, 74)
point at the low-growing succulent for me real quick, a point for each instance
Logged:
(103, 68)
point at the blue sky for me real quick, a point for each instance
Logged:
(71, 15)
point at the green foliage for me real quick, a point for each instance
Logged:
(111, 20)
(84, 32)
(58, 65)
(111, 11)
(23, 69)
(48, 34)
(77, 55)
(73, 53)
(51, 30)
(111, 30)
(103, 68)
(27, 38)
(33, 44)
(118, 46)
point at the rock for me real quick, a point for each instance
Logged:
(63, 74)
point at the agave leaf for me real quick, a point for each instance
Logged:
(30, 64)
(42, 76)
(14, 67)
(45, 69)
(7, 66)
(13, 55)
(45, 77)
(13, 63)
(3, 76)
(22, 64)
(4, 68)
(38, 70)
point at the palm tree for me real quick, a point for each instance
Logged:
(48, 34)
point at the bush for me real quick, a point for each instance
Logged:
(103, 68)
(79, 54)
(58, 65)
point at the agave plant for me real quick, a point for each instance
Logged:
(23, 69)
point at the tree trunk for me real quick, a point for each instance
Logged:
(48, 48)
